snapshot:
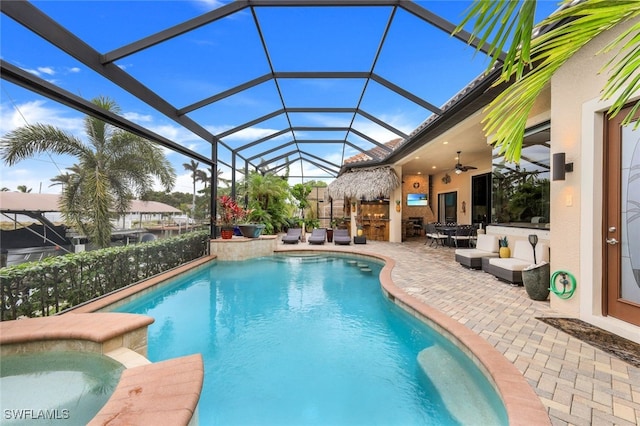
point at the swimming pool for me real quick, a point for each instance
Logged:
(55, 387)
(311, 340)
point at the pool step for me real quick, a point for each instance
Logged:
(461, 397)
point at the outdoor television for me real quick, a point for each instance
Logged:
(417, 200)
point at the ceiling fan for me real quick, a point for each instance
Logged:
(460, 168)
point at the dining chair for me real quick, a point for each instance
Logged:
(434, 235)
(463, 235)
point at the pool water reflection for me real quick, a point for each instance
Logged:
(311, 340)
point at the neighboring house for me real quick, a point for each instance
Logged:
(18, 209)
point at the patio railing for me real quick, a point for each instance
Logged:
(58, 283)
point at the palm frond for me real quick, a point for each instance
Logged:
(27, 141)
(624, 66)
(512, 22)
(568, 31)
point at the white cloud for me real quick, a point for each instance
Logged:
(137, 117)
(210, 4)
(12, 117)
(32, 71)
(46, 70)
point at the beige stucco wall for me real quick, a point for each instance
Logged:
(461, 184)
(576, 203)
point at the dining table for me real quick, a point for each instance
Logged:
(449, 230)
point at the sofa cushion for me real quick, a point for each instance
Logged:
(487, 243)
(509, 263)
(475, 253)
(522, 250)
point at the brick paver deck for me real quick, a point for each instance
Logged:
(577, 383)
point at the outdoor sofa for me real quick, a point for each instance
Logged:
(486, 246)
(510, 269)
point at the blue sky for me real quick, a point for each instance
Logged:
(221, 55)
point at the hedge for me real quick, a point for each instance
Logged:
(58, 283)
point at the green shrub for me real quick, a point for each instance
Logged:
(57, 283)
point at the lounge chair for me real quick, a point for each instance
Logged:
(341, 236)
(318, 236)
(293, 236)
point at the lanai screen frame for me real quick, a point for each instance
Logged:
(103, 64)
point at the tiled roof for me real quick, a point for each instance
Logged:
(376, 153)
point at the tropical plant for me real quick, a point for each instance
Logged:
(113, 167)
(23, 189)
(530, 62)
(300, 192)
(230, 212)
(269, 198)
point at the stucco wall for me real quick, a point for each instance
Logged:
(461, 184)
(576, 203)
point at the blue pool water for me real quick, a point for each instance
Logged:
(311, 340)
(55, 388)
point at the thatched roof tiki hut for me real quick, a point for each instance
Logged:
(364, 186)
(368, 183)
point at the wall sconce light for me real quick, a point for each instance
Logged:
(560, 167)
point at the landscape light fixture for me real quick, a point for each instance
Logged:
(533, 240)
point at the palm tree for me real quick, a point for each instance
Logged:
(226, 182)
(23, 188)
(268, 195)
(112, 167)
(64, 179)
(202, 176)
(193, 168)
(531, 61)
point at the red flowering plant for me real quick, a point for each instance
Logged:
(230, 212)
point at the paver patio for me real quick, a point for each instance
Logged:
(579, 384)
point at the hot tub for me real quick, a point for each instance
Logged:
(55, 387)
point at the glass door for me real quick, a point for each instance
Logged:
(622, 220)
(447, 207)
(481, 199)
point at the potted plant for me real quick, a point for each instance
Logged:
(230, 214)
(536, 277)
(252, 228)
(505, 251)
